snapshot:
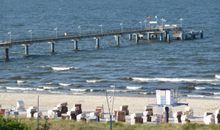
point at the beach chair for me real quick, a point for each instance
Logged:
(136, 118)
(81, 117)
(147, 116)
(120, 116)
(78, 108)
(177, 117)
(188, 112)
(217, 116)
(20, 105)
(125, 109)
(100, 111)
(30, 111)
(208, 118)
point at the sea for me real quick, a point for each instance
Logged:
(190, 67)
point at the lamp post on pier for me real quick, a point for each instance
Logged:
(140, 24)
(163, 21)
(9, 33)
(101, 28)
(145, 23)
(55, 29)
(30, 31)
(181, 22)
(80, 30)
(121, 24)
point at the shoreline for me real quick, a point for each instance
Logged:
(89, 102)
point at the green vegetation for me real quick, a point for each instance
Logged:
(12, 124)
(30, 124)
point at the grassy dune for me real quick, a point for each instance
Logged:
(72, 125)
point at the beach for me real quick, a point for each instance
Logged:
(89, 102)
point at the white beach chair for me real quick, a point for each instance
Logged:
(20, 105)
(208, 118)
(30, 111)
(216, 116)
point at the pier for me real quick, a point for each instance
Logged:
(161, 33)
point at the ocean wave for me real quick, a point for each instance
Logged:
(64, 84)
(217, 76)
(50, 88)
(175, 80)
(207, 88)
(94, 81)
(62, 68)
(200, 88)
(20, 82)
(216, 93)
(79, 90)
(20, 88)
(134, 87)
(196, 96)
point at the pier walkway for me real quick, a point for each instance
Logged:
(162, 33)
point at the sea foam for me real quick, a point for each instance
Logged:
(175, 80)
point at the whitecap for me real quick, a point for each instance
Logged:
(134, 87)
(175, 80)
(200, 88)
(93, 81)
(20, 82)
(78, 90)
(64, 84)
(216, 93)
(20, 88)
(196, 96)
(50, 88)
(217, 76)
(62, 68)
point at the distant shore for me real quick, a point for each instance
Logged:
(89, 102)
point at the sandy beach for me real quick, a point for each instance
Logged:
(89, 102)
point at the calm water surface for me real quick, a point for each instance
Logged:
(191, 67)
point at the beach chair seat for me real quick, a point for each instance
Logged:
(120, 116)
(30, 111)
(51, 114)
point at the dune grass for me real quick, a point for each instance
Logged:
(72, 125)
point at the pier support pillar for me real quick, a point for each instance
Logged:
(136, 38)
(130, 37)
(52, 46)
(148, 36)
(6, 57)
(161, 36)
(97, 42)
(168, 37)
(181, 36)
(76, 48)
(117, 40)
(26, 49)
(201, 34)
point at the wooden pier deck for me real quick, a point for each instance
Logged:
(162, 33)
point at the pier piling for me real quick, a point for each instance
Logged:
(6, 54)
(130, 37)
(75, 45)
(97, 45)
(136, 38)
(201, 34)
(52, 47)
(26, 49)
(117, 40)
